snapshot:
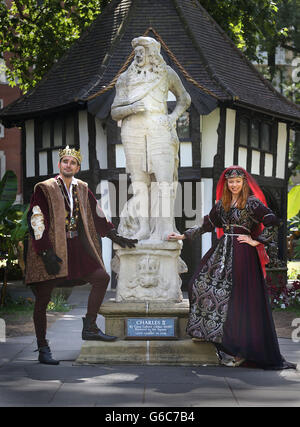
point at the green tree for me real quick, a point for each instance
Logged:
(35, 33)
(13, 227)
(247, 22)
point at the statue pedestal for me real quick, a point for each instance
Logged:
(150, 344)
(149, 272)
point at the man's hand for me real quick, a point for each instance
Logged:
(120, 240)
(51, 261)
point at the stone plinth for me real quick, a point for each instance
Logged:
(116, 314)
(149, 272)
(182, 353)
(179, 351)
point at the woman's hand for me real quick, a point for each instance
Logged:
(247, 239)
(175, 236)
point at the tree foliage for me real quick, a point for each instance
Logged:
(35, 33)
(13, 227)
(247, 22)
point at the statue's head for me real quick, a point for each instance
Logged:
(147, 51)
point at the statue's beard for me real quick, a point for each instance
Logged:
(137, 81)
(145, 73)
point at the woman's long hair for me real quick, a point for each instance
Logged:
(242, 199)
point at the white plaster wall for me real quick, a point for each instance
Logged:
(171, 96)
(242, 157)
(30, 163)
(120, 156)
(101, 144)
(207, 196)
(268, 164)
(43, 163)
(107, 256)
(84, 139)
(255, 162)
(229, 137)
(55, 159)
(186, 154)
(209, 127)
(281, 150)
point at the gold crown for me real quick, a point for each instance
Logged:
(70, 152)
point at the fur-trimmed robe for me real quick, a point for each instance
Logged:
(55, 233)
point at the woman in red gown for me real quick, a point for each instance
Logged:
(229, 304)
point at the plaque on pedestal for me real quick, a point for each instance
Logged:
(146, 350)
(151, 328)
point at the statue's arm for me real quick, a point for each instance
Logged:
(119, 113)
(182, 97)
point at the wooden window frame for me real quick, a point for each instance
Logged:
(39, 138)
(262, 121)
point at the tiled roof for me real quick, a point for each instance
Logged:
(203, 50)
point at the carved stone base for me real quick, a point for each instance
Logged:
(181, 351)
(149, 272)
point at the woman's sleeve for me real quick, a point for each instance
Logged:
(103, 226)
(38, 221)
(262, 214)
(210, 222)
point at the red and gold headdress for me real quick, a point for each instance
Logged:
(235, 173)
(70, 152)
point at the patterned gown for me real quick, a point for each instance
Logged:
(229, 305)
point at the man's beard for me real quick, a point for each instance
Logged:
(67, 174)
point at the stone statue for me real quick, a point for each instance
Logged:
(150, 140)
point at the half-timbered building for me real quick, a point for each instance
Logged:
(236, 116)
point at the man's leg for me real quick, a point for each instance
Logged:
(42, 293)
(99, 280)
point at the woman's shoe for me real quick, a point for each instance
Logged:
(238, 362)
(227, 362)
(232, 363)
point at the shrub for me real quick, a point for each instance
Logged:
(284, 296)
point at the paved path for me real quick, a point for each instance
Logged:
(25, 382)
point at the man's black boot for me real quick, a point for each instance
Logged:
(91, 332)
(45, 356)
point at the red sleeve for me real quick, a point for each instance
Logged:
(39, 199)
(103, 226)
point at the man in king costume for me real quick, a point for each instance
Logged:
(64, 248)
